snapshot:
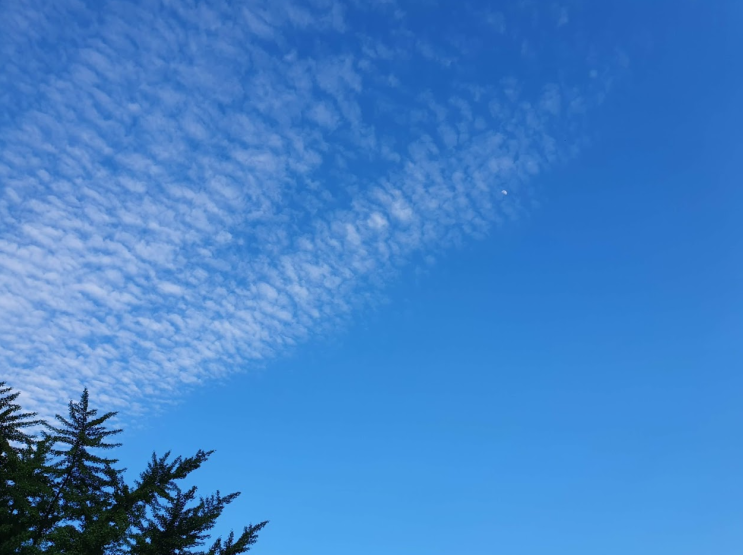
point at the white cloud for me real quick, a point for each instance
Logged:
(180, 199)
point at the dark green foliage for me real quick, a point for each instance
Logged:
(60, 494)
(86, 484)
(13, 421)
(23, 477)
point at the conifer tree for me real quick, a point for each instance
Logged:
(13, 421)
(23, 477)
(60, 494)
(85, 483)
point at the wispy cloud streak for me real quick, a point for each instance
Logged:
(187, 187)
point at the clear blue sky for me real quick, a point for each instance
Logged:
(431, 278)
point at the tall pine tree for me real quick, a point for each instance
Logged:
(86, 484)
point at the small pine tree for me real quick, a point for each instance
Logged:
(59, 494)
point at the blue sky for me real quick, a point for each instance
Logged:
(431, 277)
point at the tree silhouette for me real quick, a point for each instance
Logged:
(59, 493)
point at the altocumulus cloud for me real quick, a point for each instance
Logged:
(186, 187)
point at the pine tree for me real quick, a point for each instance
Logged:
(86, 484)
(174, 525)
(23, 478)
(59, 494)
(13, 421)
